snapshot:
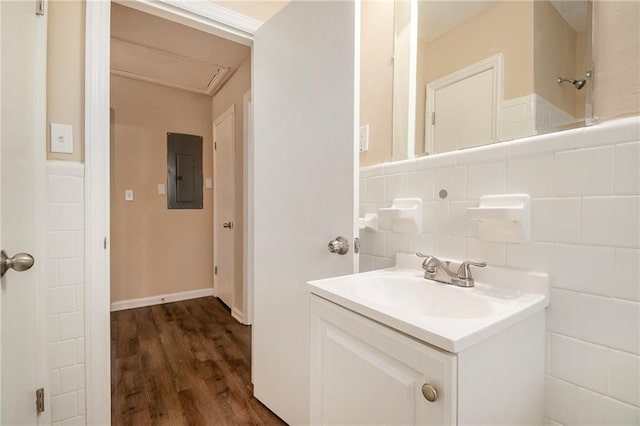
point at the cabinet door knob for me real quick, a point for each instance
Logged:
(430, 393)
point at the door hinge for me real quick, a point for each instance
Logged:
(356, 245)
(433, 118)
(105, 243)
(215, 270)
(40, 7)
(40, 400)
(215, 145)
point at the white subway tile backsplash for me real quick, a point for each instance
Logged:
(584, 172)
(597, 410)
(54, 382)
(562, 313)
(613, 132)
(62, 354)
(65, 189)
(60, 244)
(446, 159)
(483, 251)
(560, 402)
(372, 243)
(611, 221)
(556, 219)
(383, 262)
(375, 189)
(82, 403)
(459, 224)
(626, 169)
(394, 243)
(78, 237)
(64, 406)
(627, 275)
(450, 247)
(453, 180)
(71, 325)
(80, 350)
(71, 217)
(366, 262)
(71, 271)
(587, 269)
(71, 378)
(531, 257)
(486, 179)
(580, 363)
(53, 328)
(53, 275)
(435, 217)
(609, 322)
(531, 175)
(61, 299)
(53, 217)
(624, 377)
(420, 243)
(395, 186)
(420, 185)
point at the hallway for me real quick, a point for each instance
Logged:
(182, 363)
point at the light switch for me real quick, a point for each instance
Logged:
(161, 190)
(364, 138)
(208, 183)
(61, 138)
(128, 194)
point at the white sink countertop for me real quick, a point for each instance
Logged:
(449, 317)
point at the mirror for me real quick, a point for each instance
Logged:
(470, 73)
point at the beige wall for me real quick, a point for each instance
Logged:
(616, 54)
(376, 79)
(556, 53)
(65, 72)
(155, 250)
(233, 93)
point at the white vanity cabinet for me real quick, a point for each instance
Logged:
(366, 373)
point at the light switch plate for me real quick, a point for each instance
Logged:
(128, 194)
(161, 189)
(61, 138)
(364, 138)
(208, 183)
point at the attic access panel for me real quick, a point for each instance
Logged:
(184, 171)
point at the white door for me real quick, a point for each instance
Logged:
(22, 127)
(305, 114)
(223, 217)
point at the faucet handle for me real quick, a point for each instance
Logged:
(422, 255)
(464, 272)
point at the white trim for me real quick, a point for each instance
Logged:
(201, 15)
(97, 66)
(238, 315)
(231, 111)
(160, 299)
(65, 168)
(247, 213)
(97, 287)
(494, 63)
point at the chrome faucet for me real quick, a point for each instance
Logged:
(436, 270)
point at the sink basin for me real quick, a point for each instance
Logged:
(449, 317)
(422, 297)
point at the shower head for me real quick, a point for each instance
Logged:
(578, 84)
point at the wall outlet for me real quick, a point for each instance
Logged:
(128, 194)
(364, 138)
(61, 138)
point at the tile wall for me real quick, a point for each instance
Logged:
(585, 189)
(530, 115)
(65, 293)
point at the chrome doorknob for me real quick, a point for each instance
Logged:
(340, 245)
(20, 262)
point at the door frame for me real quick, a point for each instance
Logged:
(204, 16)
(494, 63)
(231, 111)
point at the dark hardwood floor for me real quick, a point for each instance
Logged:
(183, 363)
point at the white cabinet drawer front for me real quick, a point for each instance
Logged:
(363, 373)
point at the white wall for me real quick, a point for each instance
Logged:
(585, 188)
(65, 292)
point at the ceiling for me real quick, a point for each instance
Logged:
(439, 17)
(156, 50)
(261, 10)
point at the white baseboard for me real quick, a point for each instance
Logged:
(160, 299)
(238, 315)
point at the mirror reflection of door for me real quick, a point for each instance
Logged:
(224, 198)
